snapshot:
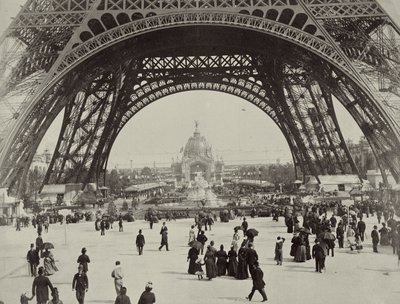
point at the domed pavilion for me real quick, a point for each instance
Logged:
(197, 160)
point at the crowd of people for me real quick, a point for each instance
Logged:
(238, 257)
(42, 286)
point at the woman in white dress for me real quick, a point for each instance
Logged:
(192, 235)
(235, 240)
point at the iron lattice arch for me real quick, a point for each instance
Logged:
(103, 61)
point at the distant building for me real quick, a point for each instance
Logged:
(375, 178)
(41, 161)
(363, 155)
(197, 160)
(10, 207)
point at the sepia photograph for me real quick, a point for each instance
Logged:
(199, 151)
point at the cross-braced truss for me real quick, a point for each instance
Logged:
(290, 58)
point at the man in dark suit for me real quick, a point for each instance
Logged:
(318, 254)
(164, 237)
(375, 238)
(258, 282)
(245, 225)
(140, 242)
(252, 257)
(340, 234)
(80, 283)
(83, 260)
(39, 244)
(33, 259)
(361, 228)
(40, 287)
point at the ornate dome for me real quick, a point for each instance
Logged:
(197, 146)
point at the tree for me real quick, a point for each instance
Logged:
(146, 171)
(112, 209)
(32, 186)
(114, 182)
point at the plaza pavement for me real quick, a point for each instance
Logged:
(350, 278)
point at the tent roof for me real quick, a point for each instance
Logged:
(339, 179)
(356, 192)
(253, 182)
(53, 189)
(143, 187)
(396, 187)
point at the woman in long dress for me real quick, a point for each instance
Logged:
(222, 261)
(232, 263)
(193, 255)
(301, 255)
(384, 235)
(192, 235)
(235, 240)
(295, 244)
(209, 259)
(242, 273)
(49, 263)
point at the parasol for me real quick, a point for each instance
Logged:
(251, 232)
(48, 245)
(238, 228)
(197, 245)
(326, 236)
(305, 230)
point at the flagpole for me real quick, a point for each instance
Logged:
(65, 233)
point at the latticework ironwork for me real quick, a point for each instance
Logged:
(102, 61)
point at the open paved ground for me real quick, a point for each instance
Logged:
(350, 278)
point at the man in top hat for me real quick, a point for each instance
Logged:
(164, 237)
(33, 259)
(80, 283)
(318, 254)
(83, 260)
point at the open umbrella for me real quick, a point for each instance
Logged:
(196, 244)
(326, 236)
(251, 232)
(48, 245)
(238, 228)
(305, 230)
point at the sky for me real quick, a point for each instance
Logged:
(237, 131)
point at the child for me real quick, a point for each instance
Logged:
(198, 269)
(24, 299)
(278, 250)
